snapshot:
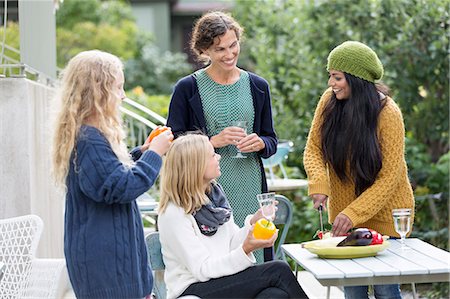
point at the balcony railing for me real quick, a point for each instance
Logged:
(10, 67)
(140, 121)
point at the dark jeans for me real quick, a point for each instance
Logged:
(269, 280)
(268, 254)
(385, 291)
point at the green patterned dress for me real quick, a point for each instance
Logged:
(241, 179)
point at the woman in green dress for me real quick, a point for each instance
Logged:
(213, 98)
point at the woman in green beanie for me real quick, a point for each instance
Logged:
(354, 156)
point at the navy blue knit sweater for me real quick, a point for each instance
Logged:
(103, 241)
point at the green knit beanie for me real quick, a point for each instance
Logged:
(357, 59)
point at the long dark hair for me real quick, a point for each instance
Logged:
(349, 133)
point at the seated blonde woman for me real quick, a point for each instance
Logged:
(206, 254)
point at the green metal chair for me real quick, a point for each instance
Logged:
(156, 262)
(283, 149)
(283, 216)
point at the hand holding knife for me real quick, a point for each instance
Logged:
(320, 217)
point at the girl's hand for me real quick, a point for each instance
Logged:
(251, 243)
(319, 199)
(161, 143)
(229, 135)
(251, 143)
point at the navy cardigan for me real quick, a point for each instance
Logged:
(186, 113)
(104, 243)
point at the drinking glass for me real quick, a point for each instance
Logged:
(267, 204)
(241, 124)
(402, 223)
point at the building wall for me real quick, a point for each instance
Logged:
(38, 35)
(26, 185)
(171, 21)
(154, 18)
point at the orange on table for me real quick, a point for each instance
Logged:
(264, 229)
(156, 131)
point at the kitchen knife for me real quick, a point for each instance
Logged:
(320, 216)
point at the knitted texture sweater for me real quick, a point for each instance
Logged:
(391, 189)
(104, 242)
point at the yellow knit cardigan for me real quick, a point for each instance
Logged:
(391, 189)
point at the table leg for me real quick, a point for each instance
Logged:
(328, 292)
(413, 287)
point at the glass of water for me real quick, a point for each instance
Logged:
(267, 204)
(243, 125)
(402, 223)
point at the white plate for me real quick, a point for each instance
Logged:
(327, 248)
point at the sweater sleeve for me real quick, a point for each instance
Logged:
(178, 118)
(103, 178)
(136, 153)
(391, 135)
(240, 233)
(182, 242)
(315, 165)
(267, 132)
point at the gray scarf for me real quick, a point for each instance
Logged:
(214, 214)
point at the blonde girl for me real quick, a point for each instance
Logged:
(103, 243)
(206, 254)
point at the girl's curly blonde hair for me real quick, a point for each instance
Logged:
(87, 94)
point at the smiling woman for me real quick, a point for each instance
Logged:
(206, 254)
(214, 98)
(354, 156)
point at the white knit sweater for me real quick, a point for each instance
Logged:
(192, 257)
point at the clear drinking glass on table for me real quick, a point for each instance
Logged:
(267, 204)
(402, 223)
(241, 124)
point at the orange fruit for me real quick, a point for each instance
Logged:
(264, 229)
(158, 130)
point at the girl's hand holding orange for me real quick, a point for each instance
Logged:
(156, 131)
(160, 141)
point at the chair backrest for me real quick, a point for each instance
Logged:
(280, 155)
(19, 238)
(48, 279)
(283, 216)
(156, 262)
(283, 149)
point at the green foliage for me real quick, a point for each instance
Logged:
(156, 71)
(110, 26)
(85, 25)
(115, 12)
(156, 103)
(12, 39)
(72, 12)
(87, 36)
(432, 197)
(288, 41)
